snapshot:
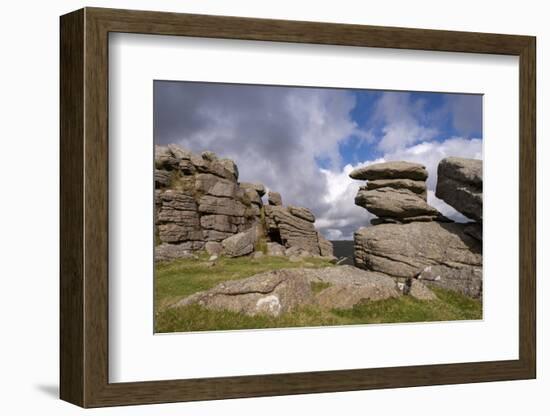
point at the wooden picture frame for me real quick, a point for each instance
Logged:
(84, 207)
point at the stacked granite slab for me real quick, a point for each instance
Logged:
(198, 199)
(395, 192)
(410, 240)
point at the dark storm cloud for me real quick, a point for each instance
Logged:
(275, 134)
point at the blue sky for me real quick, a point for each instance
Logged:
(438, 111)
(303, 142)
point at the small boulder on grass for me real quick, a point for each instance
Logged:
(418, 290)
(240, 244)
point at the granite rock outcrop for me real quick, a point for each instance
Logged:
(410, 240)
(199, 200)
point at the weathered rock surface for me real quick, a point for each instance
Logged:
(275, 249)
(395, 192)
(198, 199)
(418, 290)
(468, 281)
(213, 248)
(325, 246)
(239, 244)
(209, 184)
(349, 287)
(164, 158)
(280, 291)
(169, 252)
(460, 184)
(179, 153)
(162, 178)
(223, 206)
(258, 187)
(230, 167)
(404, 251)
(391, 170)
(394, 203)
(418, 187)
(302, 213)
(406, 220)
(274, 198)
(177, 219)
(474, 230)
(292, 231)
(253, 195)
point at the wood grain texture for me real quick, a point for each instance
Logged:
(527, 208)
(84, 204)
(71, 208)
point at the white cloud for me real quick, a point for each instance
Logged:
(400, 116)
(342, 214)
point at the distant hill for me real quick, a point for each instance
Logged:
(343, 248)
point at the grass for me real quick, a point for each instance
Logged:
(187, 276)
(184, 277)
(318, 287)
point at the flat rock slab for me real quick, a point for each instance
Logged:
(280, 291)
(302, 213)
(391, 170)
(418, 187)
(394, 203)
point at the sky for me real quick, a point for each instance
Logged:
(304, 142)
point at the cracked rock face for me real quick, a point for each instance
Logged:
(294, 227)
(405, 251)
(460, 184)
(279, 291)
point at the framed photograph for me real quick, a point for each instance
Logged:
(255, 207)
